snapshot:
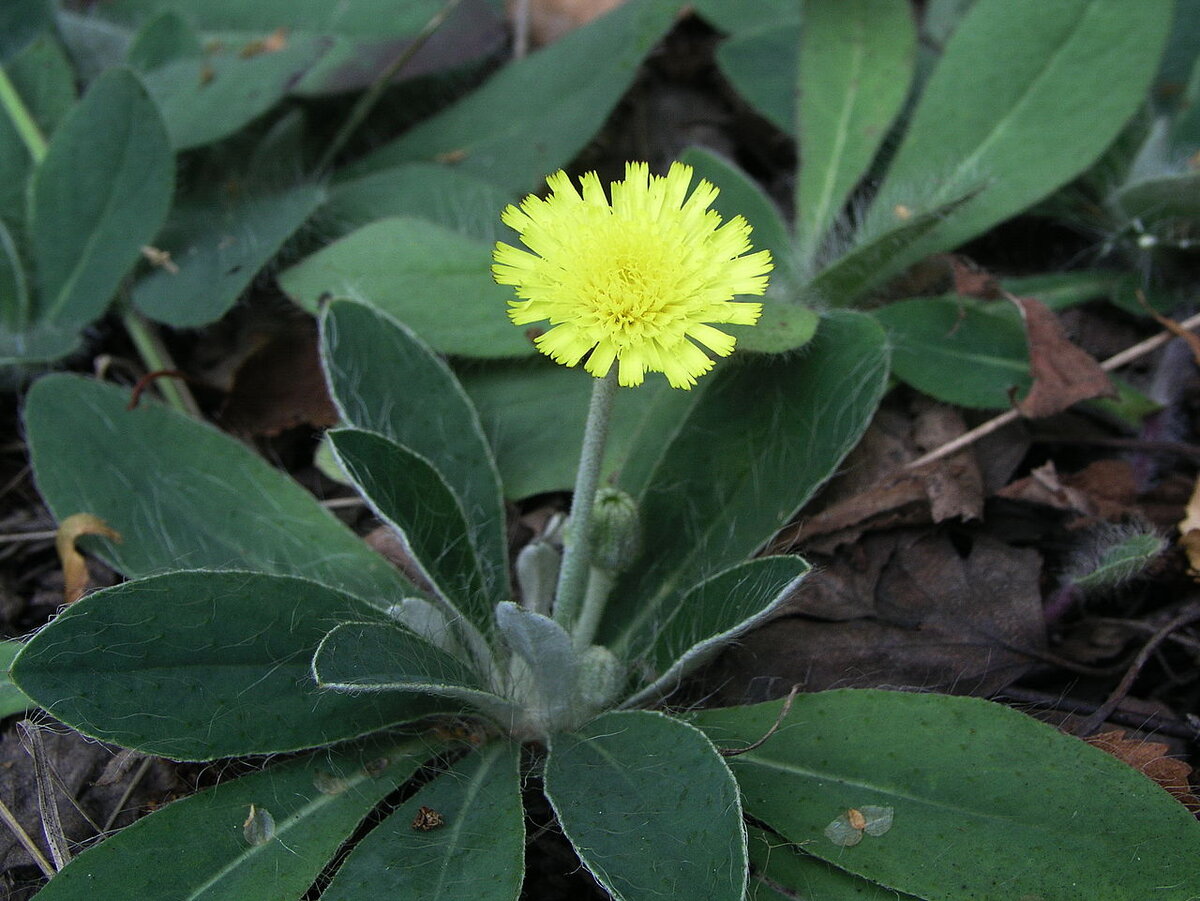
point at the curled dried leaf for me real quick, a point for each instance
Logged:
(75, 574)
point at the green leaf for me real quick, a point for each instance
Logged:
(12, 699)
(316, 802)
(454, 200)
(98, 196)
(204, 99)
(761, 64)
(165, 38)
(534, 411)
(989, 803)
(219, 247)
(866, 265)
(40, 343)
(202, 664)
(735, 16)
(408, 493)
(1026, 96)
(958, 350)
(384, 379)
(183, 495)
(1164, 197)
(788, 867)
(536, 114)
(856, 65)
(1060, 290)
(650, 808)
(758, 443)
(386, 660)
(478, 851)
(715, 613)
(784, 325)
(740, 196)
(435, 281)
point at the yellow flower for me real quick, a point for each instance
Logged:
(637, 281)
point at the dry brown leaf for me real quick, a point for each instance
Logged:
(1150, 758)
(972, 280)
(1103, 490)
(1189, 532)
(75, 573)
(1063, 373)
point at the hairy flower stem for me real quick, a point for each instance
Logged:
(600, 583)
(576, 562)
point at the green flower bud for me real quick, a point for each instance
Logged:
(616, 531)
(601, 678)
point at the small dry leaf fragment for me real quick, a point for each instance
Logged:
(75, 574)
(427, 818)
(848, 828)
(328, 784)
(272, 43)
(1063, 373)
(1189, 533)
(259, 827)
(1150, 758)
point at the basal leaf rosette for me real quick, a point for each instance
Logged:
(639, 281)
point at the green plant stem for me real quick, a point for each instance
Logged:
(600, 583)
(366, 102)
(157, 358)
(572, 577)
(35, 142)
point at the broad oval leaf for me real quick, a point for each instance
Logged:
(761, 65)
(856, 64)
(460, 838)
(315, 801)
(100, 194)
(534, 115)
(406, 491)
(989, 803)
(435, 281)
(650, 808)
(1026, 96)
(12, 699)
(776, 863)
(183, 496)
(384, 379)
(754, 448)
(548, 655)
(217, 248)
(202, 664)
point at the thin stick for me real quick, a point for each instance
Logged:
(1190, 614)
(1114, 362)
(783, 712)
(47, 804)
(25, 841)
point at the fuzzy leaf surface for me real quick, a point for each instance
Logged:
(384, 379)
(219, 247)
(989, 803)
(1026, 96)
(477, 853)
(315, 802)
(100, 194)
(856, 64)
(650, 808)
(534, 115)
(406, 491)
(201, 664)
(756, 445)
(437, 282)
(185, 496)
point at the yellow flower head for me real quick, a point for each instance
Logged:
(635, 282)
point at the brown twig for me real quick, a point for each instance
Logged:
(1114, 362)
(783, 711)
(1189, 614)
